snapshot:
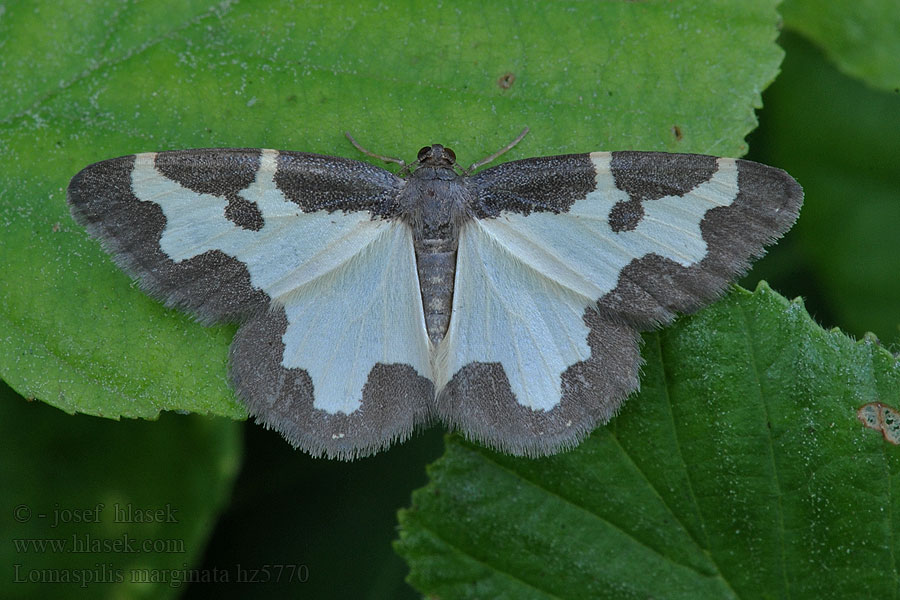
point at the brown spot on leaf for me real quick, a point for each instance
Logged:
(676, 131)
(883, 418)
(506, 80)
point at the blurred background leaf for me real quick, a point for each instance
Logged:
(838, 137)
(862, 37)
(90, 506)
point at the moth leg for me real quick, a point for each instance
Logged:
(498, 153)
(390, 159)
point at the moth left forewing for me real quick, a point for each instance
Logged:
(613, 242)
(305, 251)
(133, 209)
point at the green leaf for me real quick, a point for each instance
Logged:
(861, 36)
(730, 475)
(113, 81)
(97, 509)
(839, 138)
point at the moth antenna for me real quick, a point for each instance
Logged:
(498, 153)
(389, 159)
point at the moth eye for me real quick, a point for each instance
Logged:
(423, 153)
(450, 154)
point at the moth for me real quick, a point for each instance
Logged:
(506, 303)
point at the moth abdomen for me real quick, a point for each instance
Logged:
(436, 274)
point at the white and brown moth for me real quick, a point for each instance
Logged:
(505, 303)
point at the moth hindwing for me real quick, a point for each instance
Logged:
(505, 303)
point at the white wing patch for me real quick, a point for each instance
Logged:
(365, 311)
(306, 248)
(348, 283)
(580, 251)
(524, 281)
(506, 311)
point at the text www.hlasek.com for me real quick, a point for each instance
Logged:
(88, 544)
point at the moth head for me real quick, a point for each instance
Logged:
(436, 155)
